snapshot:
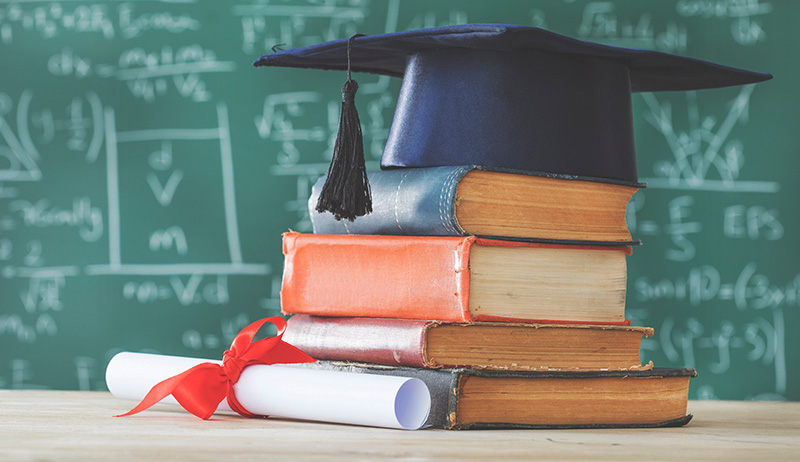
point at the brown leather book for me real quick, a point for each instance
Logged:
(480, 345)
(473, 399)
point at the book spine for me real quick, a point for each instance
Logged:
(377, 276)
(405, 202)
(393, 342)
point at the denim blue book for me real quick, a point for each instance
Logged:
(492, 203)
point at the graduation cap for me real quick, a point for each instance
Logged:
(502, 96)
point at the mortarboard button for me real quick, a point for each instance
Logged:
(513, 97)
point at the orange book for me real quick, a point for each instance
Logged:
(460, 279)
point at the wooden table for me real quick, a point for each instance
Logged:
(70, 425)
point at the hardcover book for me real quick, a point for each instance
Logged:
(459, 279)
(499, 346)
(464, 399)
(470, 200)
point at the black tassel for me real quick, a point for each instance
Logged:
(346, 192)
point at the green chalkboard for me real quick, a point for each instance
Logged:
(147, 172)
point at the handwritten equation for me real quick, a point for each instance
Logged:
(49, 20)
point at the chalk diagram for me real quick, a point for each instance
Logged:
(705, 157)
(174, 236)
(89, 128)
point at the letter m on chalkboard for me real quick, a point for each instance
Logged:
(169, 238)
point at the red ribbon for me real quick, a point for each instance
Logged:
(200, 389)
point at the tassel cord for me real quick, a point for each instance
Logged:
(346, 192)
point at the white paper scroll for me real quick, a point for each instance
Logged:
(289, 391)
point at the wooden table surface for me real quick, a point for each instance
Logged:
(71, 425)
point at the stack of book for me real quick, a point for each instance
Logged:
(503, 291)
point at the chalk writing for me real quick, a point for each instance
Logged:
(43, 292)
(273, 301)
(195, 340)
(172, 237)
(678, 229)
(149, 74)
(146, 72)
(264, 25)
(761, 340)
(430, 19)
(27, 332)
(20, 156)
(78, 130)
(196, 289)
(165, 192)
(754, 222)
(21, 372)
(33, 256)
(54, 19)
(704, 283)
(6, 249)
(133, 24)
(746, 28)
(601, 22)
(85, 371)
(50, 20)
(83, 216)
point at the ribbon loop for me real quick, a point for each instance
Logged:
(200, 389)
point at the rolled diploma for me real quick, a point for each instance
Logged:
(289, 391)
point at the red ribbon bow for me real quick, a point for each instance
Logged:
(200, 389)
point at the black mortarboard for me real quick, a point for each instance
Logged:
(512, 97)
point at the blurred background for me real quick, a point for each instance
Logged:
(147, 172)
